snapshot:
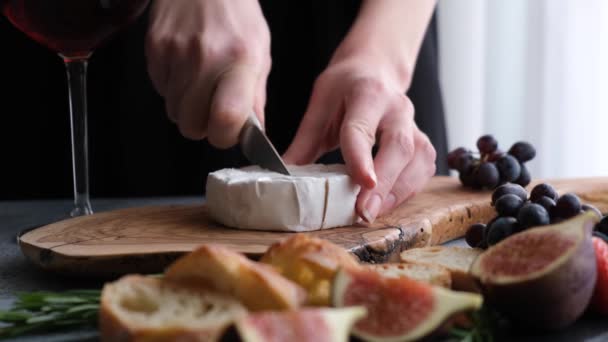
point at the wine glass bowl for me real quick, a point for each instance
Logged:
(74, 29)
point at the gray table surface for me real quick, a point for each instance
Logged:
(17, 274)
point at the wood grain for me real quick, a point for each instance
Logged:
(147, 239)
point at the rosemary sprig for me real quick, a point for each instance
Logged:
(484, 324)
(46, 311)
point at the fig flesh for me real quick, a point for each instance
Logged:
(399, 309)
(542, 278)
(304, 325)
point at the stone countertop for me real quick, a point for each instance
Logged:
(17, 274)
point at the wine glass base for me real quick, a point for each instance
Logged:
(81, 211)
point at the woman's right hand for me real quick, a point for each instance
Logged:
(209, 60)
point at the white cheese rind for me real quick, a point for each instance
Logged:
(253, 198)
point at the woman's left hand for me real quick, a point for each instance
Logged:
(354, 103)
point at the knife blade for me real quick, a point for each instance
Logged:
(258, 149)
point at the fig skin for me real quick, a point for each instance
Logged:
(555, 299)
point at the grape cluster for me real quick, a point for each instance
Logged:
(493, 167)
(517, 211)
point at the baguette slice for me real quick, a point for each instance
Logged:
(457, 260)
(310, 262)
(257, 286)
(433, 274)
(138, 308)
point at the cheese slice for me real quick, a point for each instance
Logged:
(314, 197)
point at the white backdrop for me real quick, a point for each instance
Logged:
(529, 70)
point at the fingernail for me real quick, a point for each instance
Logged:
(372, 208)
(389, 201)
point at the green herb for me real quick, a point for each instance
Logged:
(484, 324)
(44, 311)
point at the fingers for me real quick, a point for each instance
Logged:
(155, 53)
(157, 68)
(260, 95)
(396, 150)
(232, 102)
(307, 145)
(188, 106)
(413, 178)
(209, 60)
(364, 107)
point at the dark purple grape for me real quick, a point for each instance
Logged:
(532, 215)
(464, 162)
(600, 235)
(467, 178)
(509, 188)
(523, 151)
(454, 155)
(509, 168)
(524, 177)
(567, 205)
(494, 156)
(487, 175)
(508, 205)
(602, 226)
(543, 189)
(474, 235)
(547, 203)
(589, 207)
(484, 242)
(487, 144)
(500, 229)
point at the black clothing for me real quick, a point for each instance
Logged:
(134, 149)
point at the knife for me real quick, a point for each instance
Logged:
(258, 149)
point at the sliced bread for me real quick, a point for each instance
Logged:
(256, 285)
(457, 260)
(310, 262)
(138, 308)
(433, 274)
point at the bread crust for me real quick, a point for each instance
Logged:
(434, 274)
(113, 329)
(457, 260)
(310, 262)
(257, 286)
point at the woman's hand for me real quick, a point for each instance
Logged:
(354, 103)
(209, 59)
(360, 98)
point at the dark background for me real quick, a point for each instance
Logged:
(134, 149)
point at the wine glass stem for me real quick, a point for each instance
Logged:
(77, 84)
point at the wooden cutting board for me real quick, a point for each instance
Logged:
(147, 239)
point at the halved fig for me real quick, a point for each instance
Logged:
(305, 325)
(398, 309)
(543, 277)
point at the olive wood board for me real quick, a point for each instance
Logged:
(147, 239)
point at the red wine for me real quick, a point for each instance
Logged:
(73, 28)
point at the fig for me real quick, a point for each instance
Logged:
(398, 309)
(306, 325)
(542, 278)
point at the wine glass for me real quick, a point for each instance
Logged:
(73, 29)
